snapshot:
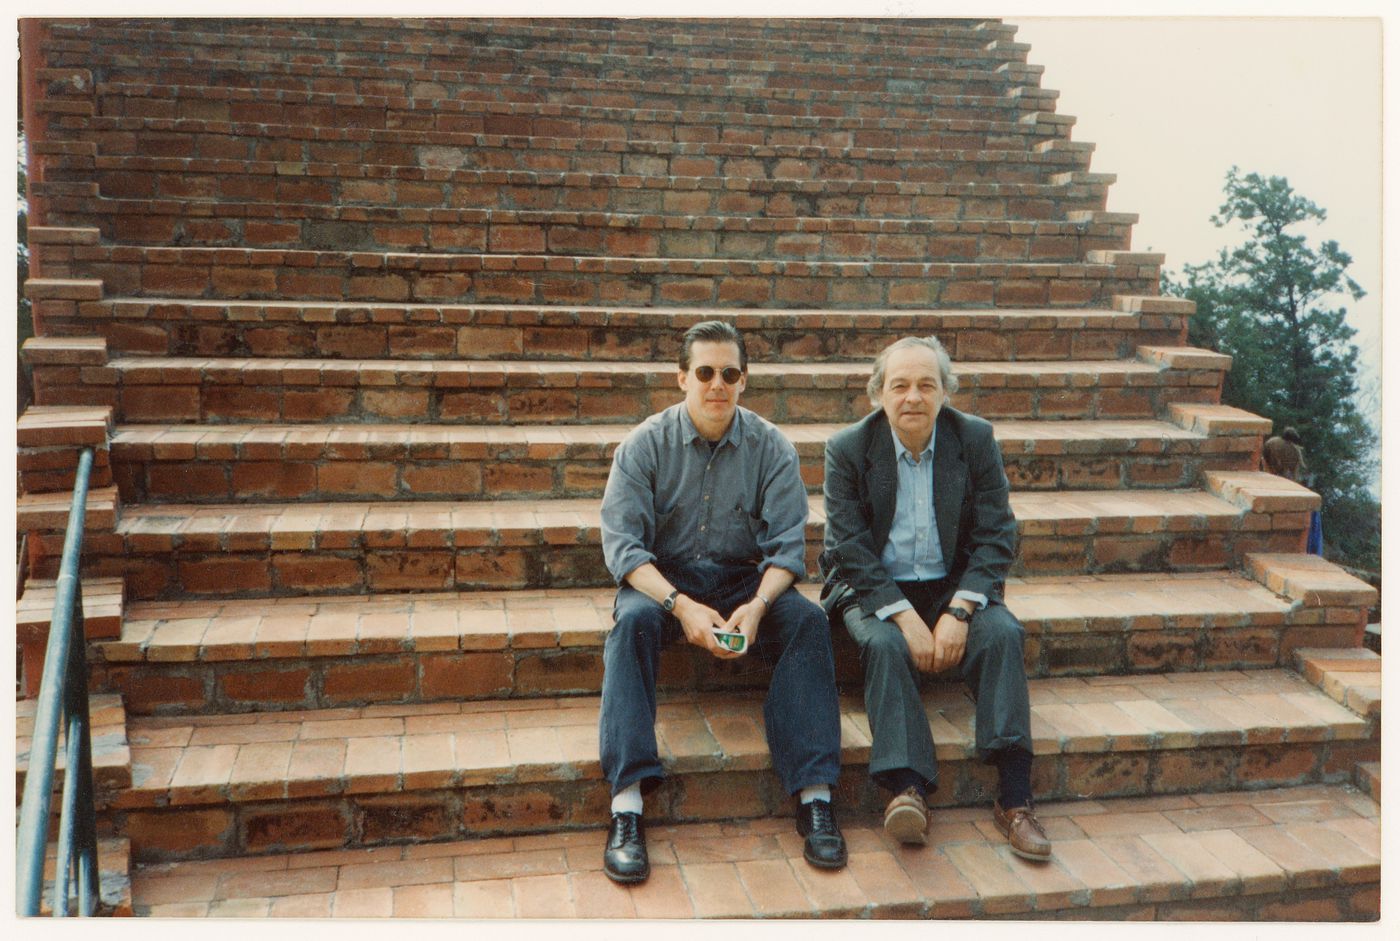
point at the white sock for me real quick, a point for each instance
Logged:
(819, 792)
(628, 800)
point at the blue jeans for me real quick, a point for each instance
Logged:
(800, 714)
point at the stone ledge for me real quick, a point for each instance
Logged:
(1309, 579)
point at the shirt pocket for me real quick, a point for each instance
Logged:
(736, 535)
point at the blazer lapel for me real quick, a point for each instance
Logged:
(949, 484)
(880, 482)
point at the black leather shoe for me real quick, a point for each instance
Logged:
(625, 858)
(825, 847)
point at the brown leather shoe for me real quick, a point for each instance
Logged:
(906, 817)
(1026, 835)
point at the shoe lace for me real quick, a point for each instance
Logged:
(1028, 814)
(823, 819)
(627, 828)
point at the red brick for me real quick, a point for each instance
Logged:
(1277, 764)
(390, 571)
(316, 571)
(369, 682)
(186, 831)
(224, 575)
(160, 403)
(356, 478)
(316, 404)
(512, 808)
(190, 481)
(287, 686)
(302, 825)
(395, 403)
(273, 479)
(401, 817)
(244, 282)
(467, 675)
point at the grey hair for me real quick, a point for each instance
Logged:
(876, 386)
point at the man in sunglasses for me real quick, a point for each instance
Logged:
(703, 523)
(919, 538)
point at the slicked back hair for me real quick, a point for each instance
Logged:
(876, 386)
(713, 331)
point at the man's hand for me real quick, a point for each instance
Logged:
(745, 620)
(949, 642)
(918, 637)
(699, 622)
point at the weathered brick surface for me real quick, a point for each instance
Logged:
(360, 288)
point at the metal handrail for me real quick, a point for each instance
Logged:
(62, 695)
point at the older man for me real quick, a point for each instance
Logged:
(919, 538)
(703, 527)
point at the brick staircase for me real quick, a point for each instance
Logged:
(355, 313)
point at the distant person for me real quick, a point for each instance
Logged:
(1283, 455)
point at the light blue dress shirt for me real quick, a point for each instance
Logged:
(913, 552)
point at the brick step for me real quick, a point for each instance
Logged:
(716, 186)
(837, 69)
(984, 74)
(487, 231)
(184, 137)
(50, 440)
(1286, 854)
(914, 33)
(200, 657)
(180, 67)
(103, 600)
(267, 390)
(211, 463)
(662, 282)
(529, 118)
(173, 326)
(495, 232)
(1351, 676)
(322, 779)
(111, 756)
(189, 550)
(794, 40)
(113, 878)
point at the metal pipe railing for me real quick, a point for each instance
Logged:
(62, 696)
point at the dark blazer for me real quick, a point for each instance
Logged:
(971, 507)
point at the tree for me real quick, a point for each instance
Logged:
(1272, 304)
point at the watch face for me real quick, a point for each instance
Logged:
(962, 614)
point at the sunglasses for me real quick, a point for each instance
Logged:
(730, 374)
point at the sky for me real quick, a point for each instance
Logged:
(1172, 104)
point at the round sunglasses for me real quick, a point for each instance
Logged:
(730, 374)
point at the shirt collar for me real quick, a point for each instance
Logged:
(901, 452)
(731, 436)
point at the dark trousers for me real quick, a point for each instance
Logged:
(800, 714)
(993, 668)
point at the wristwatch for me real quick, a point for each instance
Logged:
(962, 614)
(670, 601)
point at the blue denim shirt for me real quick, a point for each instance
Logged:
(673, 500)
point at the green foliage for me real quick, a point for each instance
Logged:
(1272, 304)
